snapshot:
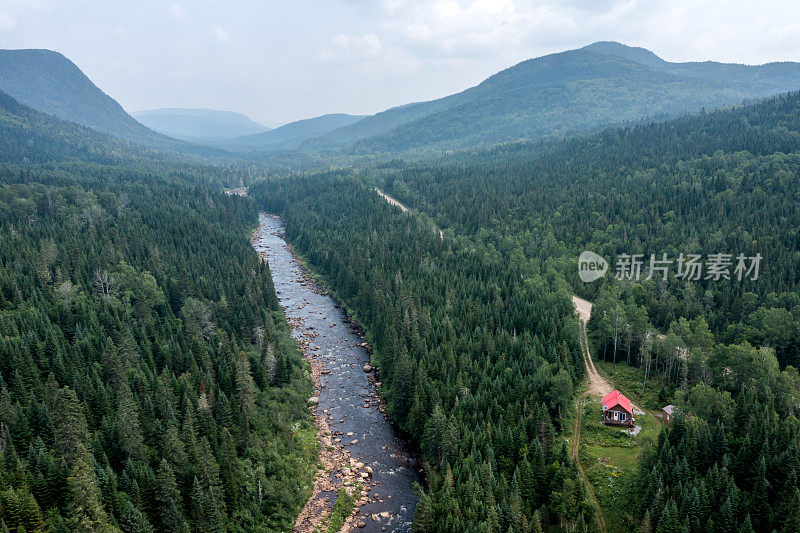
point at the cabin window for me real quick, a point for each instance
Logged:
(622, 416)
(616, 415)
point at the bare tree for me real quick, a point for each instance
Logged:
(122, 202)
(618, 322)
(258, 335)
(198, 318)
(646, 355)
(269, 362)
(103, 283)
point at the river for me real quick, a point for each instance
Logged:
(353, 428)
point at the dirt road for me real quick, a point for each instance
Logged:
(596, 385)
(391, 200)
(394, 202)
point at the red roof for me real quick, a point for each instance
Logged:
(616, 398)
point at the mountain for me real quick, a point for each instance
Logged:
(49, 82)
(752, 80)
(292, 134)
(559, 95)
(30, 136)
(719, 180)
(199, 124)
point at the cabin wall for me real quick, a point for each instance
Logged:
(608, 417)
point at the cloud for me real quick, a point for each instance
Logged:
(366, 54)
(347, 48)
(221, 36)
(176, 10)
(7, 22)
(440, 34)
(470, 29)
(123, 34)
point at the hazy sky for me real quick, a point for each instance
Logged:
(279, 60)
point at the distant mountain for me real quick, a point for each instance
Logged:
(559, 95)
(754, 81)
(49, 82)
(292, 134)
(199, 124)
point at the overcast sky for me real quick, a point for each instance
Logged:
(281, 60)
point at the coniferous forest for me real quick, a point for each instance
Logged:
(150, 379)
(474, 331)
(147, 378)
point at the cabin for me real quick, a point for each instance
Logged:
(617, 410)
(669, 413)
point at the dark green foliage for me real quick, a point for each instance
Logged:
(128, 302)
(478, 354)
(49, 82)
(725, 352)
(341, 509)
(559, 95)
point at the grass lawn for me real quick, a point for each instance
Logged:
(610, 456)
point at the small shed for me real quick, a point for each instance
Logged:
(669, 413)
(617, 410)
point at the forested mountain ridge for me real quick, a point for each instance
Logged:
(198, 124)
(559, 95)
(148, 381)
(755, 80)
(724, 351)
(49, 82)
(28, 136)
(292, 134)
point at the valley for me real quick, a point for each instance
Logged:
(383, 322)
(361, 450)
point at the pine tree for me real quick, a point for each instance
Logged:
(168, 500)
(86, 511)
(245, 393)
(128, 426)
(668, 522)
(759, 506)
(208, 474)
(791, 523)
(229, 470)
(433, 439)
(536, 522)
(747, 526)
(727, 521)
(71, 427)
(424, 521)
(133, 521)
(402, 385)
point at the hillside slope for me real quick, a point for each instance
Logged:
(198, 124)
(49, 82)
(292, 134)
(559, 95)
(30, 136)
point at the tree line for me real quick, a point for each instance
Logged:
(148, 381)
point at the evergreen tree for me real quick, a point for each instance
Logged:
(133, 521)
(168, 500)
